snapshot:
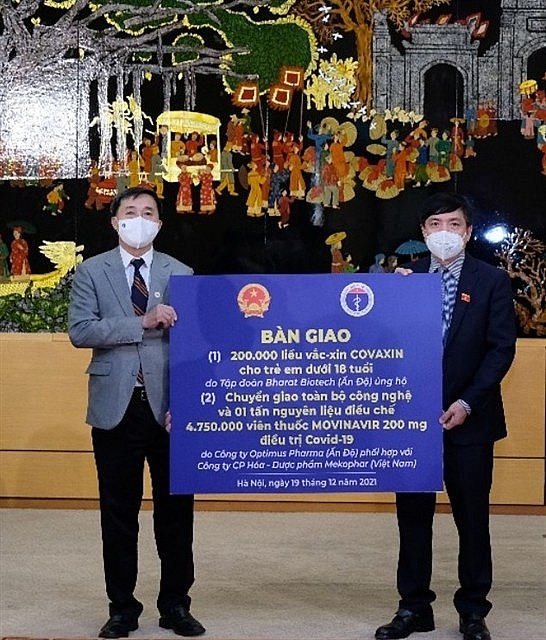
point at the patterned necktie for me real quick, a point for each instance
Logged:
(139, 296)
(449, 293)
(139, 292)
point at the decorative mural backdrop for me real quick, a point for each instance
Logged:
(284, 136)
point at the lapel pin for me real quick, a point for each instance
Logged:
(465, 297)
(157, 294)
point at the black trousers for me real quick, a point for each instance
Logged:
(468, 476)
(120, 455)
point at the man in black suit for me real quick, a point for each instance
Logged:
(479, 346)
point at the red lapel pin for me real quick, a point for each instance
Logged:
(465, 297)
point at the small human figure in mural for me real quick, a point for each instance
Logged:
(56, 200)
(227, 171)
(207, 197)
(455, 163)
(294, 166)
(133, 166)
(337, 151)
(486, 120)
(257, 151)
(528, 125)
(278, 179)
(289, 142)
(492, 113)
(93, 200)
(401, 159)
(193, 146)
(246, 124)
(177, 145)
(391, 145)
(320, 139)
(444, 149)
(211, 152)
(413, 140)
(265, 186)
(4, 255)
(235, 133)
(421, 129)
(470, 117)
(339, 264)
(277, 149)
(146, 153)
(330, 184)
(421, 174)
(457, 137)
(432, 144)
(379, 264)
(284, 209)
(114, 181)
(155, 177)
(184, 199)
(120, 176)
(254, 199)
(469, 146)
(19, 253)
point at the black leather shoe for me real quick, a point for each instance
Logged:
(473, 627)
(118, 626)
(404, 623)
(180, 620)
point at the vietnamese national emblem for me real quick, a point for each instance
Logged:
(253, 300)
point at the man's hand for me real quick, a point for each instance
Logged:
(454, 416)
(162, 316)
(403, 271)
(168, 423)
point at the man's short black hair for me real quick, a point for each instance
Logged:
(445, 202)
(133, 192)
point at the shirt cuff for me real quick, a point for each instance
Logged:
(465, 406)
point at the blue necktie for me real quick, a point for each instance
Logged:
(139, 297)
(449, 293)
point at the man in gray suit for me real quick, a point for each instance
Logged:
(119, 308)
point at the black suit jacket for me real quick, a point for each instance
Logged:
(479, 349)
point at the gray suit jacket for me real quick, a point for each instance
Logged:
(101, 317)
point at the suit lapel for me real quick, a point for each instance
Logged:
(115, 274)
(465, 290)
(159, 279)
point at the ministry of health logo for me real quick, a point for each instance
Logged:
(357, 299)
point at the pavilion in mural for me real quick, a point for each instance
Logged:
(403, 78)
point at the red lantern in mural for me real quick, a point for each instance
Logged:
(246, 94)
(291, 77)
(279, 97)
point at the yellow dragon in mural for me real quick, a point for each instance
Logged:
(64, 254)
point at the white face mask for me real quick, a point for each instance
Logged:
(444, 244)
(137, 232)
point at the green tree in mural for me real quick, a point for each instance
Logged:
(157, 36)
(358, 18)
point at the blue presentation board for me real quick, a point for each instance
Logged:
(306, 383)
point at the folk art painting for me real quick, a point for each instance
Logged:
(283, 136)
